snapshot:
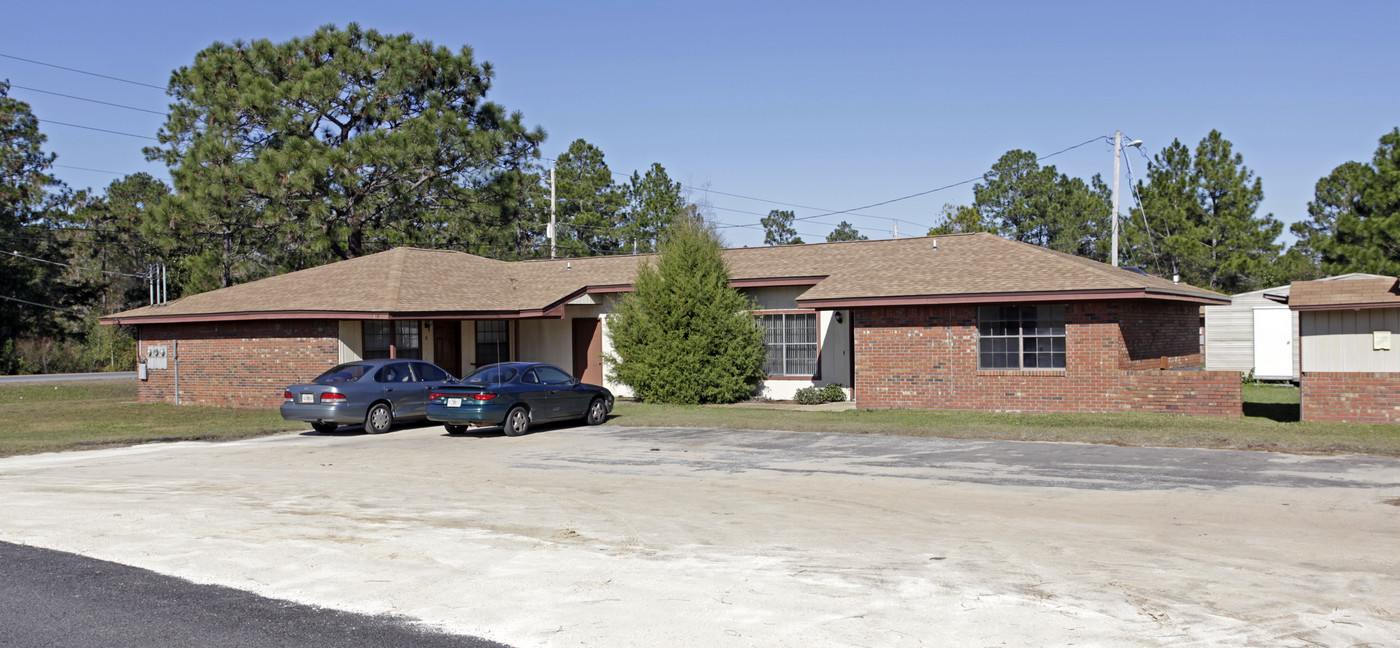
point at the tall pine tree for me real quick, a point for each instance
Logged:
(1353, 220)
(1198, 219)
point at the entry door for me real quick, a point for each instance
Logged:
(447, 346)
(1273, 343)
(588, 350)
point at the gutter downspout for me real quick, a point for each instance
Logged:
(176, 353)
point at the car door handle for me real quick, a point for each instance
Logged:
(389, 389)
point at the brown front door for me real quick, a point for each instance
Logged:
(447, 346)
(588, 350)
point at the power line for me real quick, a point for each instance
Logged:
(96, 101)
(66, 310)
(66, 265)
(102, 130)
(104, 76)
(78, 168)
(955, 184)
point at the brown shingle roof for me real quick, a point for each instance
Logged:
(1351, 293)
(417, 282)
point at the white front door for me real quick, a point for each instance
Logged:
(1273, 343)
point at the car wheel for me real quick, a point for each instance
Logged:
(378, 418)
(456, 429)
(517, 422)
(597, 412)
(324, 428)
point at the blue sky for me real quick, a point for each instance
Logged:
(829, 106)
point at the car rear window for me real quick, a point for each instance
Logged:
(342, 374)
(490, 376)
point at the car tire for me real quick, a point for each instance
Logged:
(517, 422)
(597, 412)
(378, 418)
(325, 428)
(456, 429)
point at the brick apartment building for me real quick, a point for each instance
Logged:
(968, 321)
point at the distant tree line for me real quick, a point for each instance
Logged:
(289, 155)
(1197, 217)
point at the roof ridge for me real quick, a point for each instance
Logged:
(395, 277)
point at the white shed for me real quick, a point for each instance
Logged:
(1255, 333)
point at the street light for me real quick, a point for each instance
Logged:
(1117, 162)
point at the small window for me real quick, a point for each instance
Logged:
(401, 334)
(378, 336)
(790, 340)
(492, 340)
(1021, 337)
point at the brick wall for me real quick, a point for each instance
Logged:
(237, 364)
(927, 357)
(1355, 397)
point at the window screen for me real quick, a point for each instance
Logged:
(790, 340)
(1021, 337)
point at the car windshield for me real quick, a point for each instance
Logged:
(489, 376)
(342, 374)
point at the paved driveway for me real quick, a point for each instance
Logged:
(649, 537)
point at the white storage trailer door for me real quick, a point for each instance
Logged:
(1273, 344)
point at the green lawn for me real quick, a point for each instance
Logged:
(93, 414)
(45, 418)
(1270, 423)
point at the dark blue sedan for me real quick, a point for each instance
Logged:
(373, 392)
(514, 395)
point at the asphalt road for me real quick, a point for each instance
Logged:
(52, 598)
(49, 378)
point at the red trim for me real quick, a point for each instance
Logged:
(785, 281)
(1326, 307)
(988, 298)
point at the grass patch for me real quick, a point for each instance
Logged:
(1252, 432)
(93, 414)
(1282, 403)
(48, 417)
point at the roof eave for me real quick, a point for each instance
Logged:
(1356, 306)
(1003, 297)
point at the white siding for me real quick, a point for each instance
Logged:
(1229, 343)
(835, 339)
(351, 343)
(425, 342)
(1340, 340)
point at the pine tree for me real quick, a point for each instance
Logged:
(652, 201)
(845, 232)
(1198, 219)
(341, 144)
(590, 203)
(1039, 205)
(1354, 219)
(683, 335)
(778, 229)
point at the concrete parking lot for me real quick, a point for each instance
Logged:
(613, 536)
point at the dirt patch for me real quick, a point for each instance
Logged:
(587, 536)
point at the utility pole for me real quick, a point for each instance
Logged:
(1117, 162)
(552, 237)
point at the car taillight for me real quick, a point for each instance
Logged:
(286, 397)
(332, 398)
(483, 397)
